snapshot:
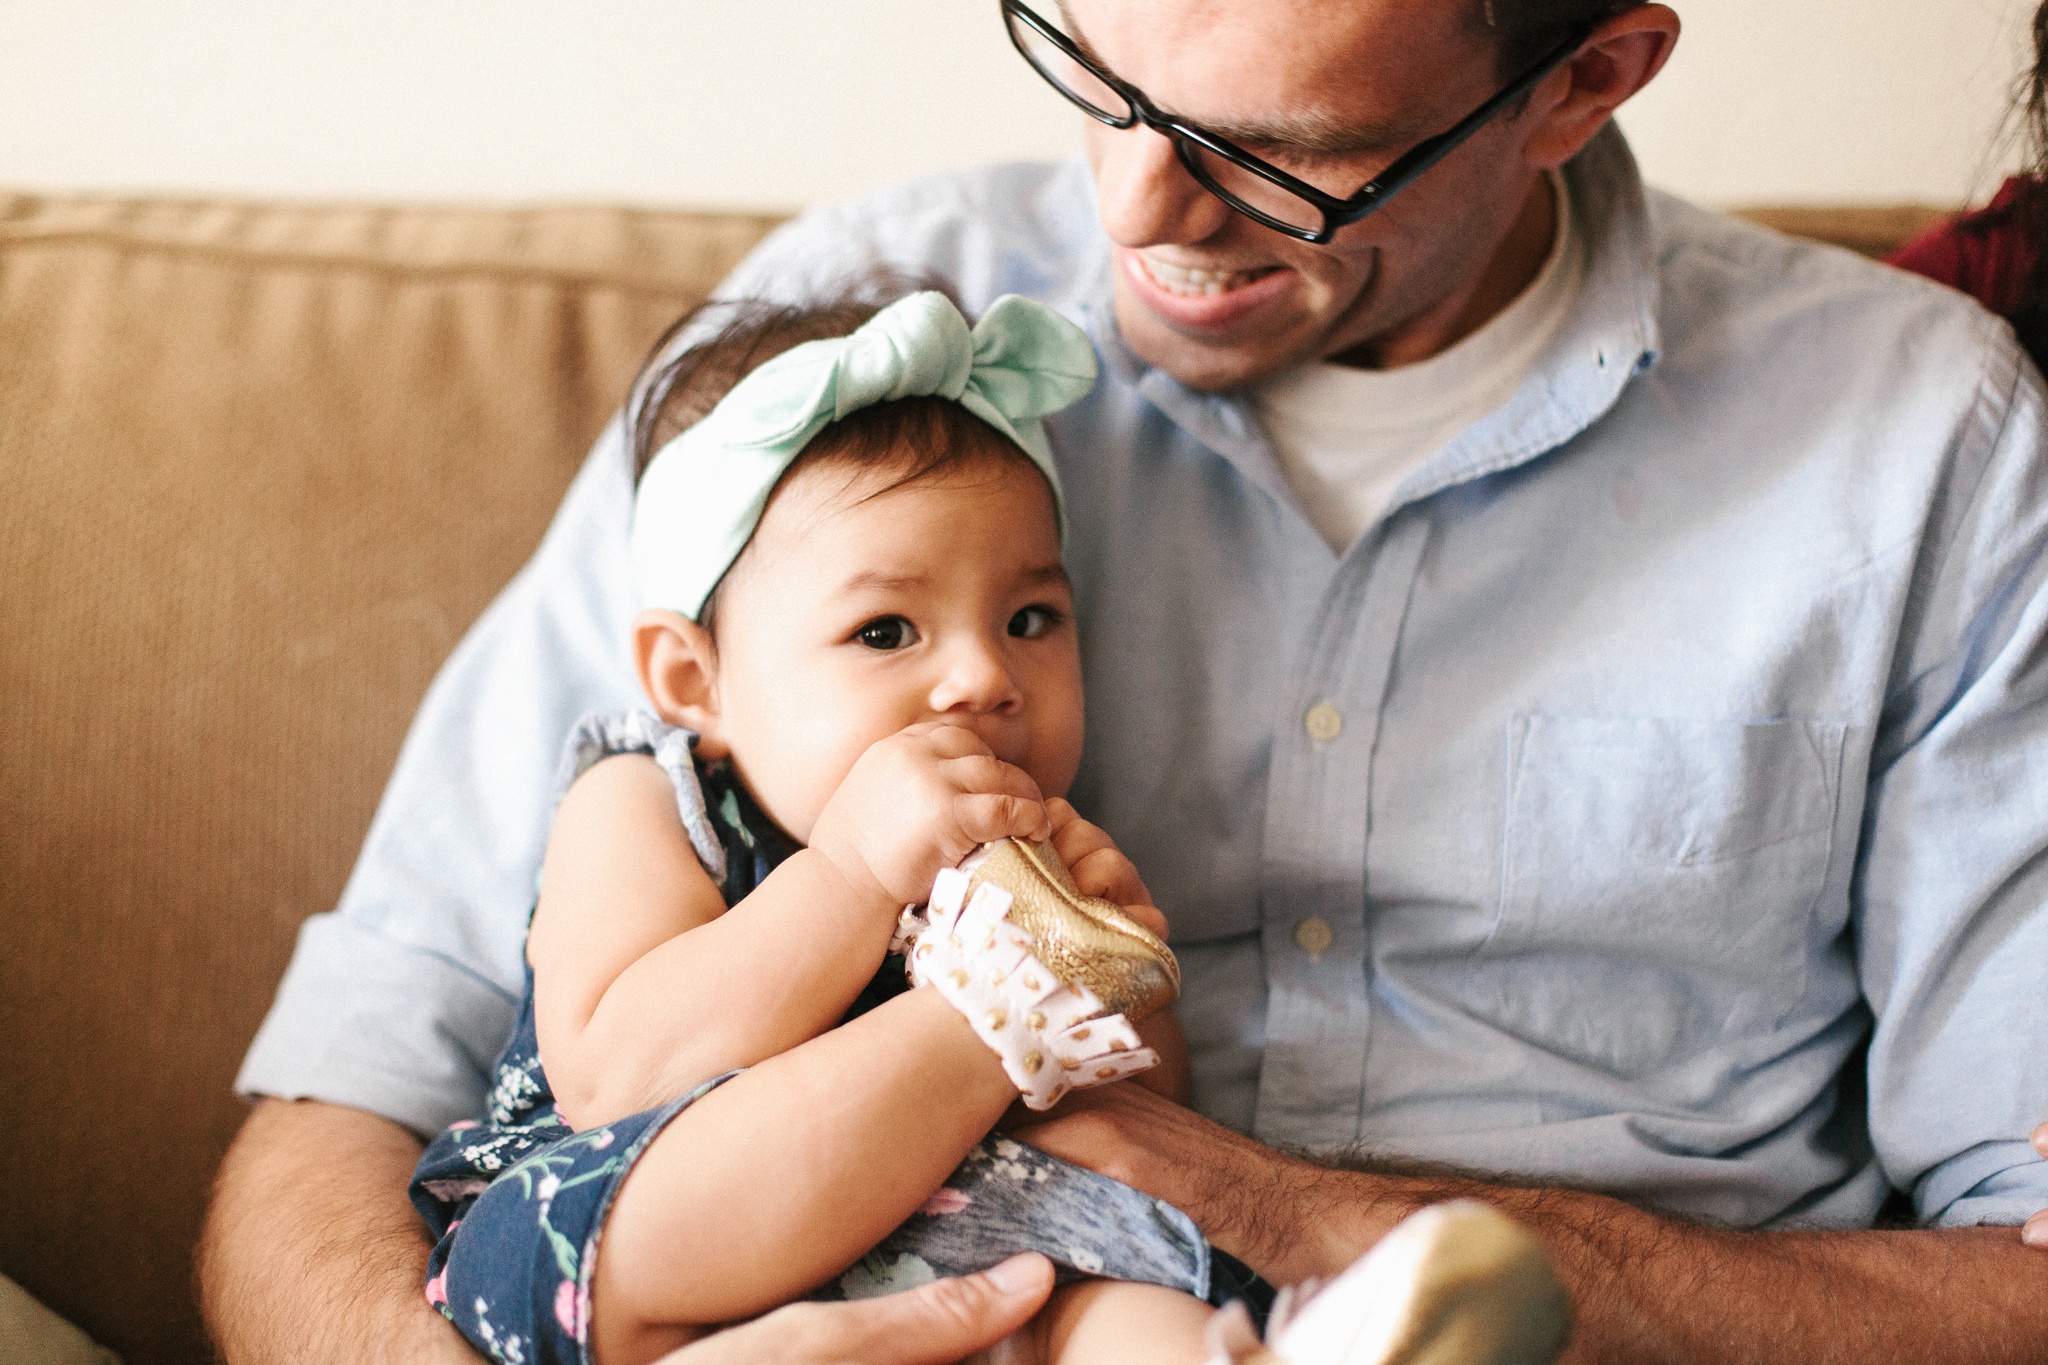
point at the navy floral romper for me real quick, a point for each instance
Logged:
(517, 1200)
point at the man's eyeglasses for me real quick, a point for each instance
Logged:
(1253, 186)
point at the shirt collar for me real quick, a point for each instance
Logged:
(1610, 337)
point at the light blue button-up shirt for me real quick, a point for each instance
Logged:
(1655, 798)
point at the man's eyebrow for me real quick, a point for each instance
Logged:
(1313, 132)
(1310, 130)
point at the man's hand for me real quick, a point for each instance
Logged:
(2035, 1233)
(937, 1324)
(922, 800)
(311, 1252)
(1644, 1287)
(1282, 1216)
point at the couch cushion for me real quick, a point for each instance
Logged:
(263, 466)
(1875, 230)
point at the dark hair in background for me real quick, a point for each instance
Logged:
(910, 438)
(1527, 29)
(2030, 317)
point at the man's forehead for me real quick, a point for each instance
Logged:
(1332, 75)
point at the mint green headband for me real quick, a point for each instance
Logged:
(703, 493)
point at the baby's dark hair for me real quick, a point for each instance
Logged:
(910, 438)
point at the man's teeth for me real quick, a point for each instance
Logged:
(1176, 279)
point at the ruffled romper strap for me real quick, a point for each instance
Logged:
(605, 734)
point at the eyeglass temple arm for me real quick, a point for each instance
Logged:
(1431, 150)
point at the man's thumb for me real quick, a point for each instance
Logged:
(947, 1319)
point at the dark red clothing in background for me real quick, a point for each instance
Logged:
(1990, 255)
(1986, 254)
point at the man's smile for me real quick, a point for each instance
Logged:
(1187, 280)
(1201, 300)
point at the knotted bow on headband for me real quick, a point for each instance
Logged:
(703, 493)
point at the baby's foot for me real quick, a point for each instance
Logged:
(1456, 1284)
(1084, 939)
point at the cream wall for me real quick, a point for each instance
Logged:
(779, 103)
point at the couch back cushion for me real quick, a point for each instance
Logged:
(263, 465)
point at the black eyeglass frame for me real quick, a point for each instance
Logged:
(1337, 213)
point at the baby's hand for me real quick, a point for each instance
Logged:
(1099, 867)
(921, 800)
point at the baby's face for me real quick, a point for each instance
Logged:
(856, 613)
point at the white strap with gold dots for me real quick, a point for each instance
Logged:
(1051, 1035)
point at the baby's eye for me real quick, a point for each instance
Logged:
(887, 632)
(1031, 622)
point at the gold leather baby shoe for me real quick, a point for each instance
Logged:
(1083, 939)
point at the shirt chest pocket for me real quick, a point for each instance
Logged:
(1658, 882)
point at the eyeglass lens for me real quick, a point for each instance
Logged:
(1251, 191)
(1246, 189)
(1073, 80)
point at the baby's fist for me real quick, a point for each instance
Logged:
(1099, 867)
(919, 801)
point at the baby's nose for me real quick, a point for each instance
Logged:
(976, 678)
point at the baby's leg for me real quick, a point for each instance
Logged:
(785, 1174)
(1114, 1322)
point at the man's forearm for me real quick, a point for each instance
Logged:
(1644, 1288)
(312, 1253)
(1654, 1289)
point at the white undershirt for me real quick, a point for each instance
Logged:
(1346, 437)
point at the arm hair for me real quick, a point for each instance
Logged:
(312, 1254)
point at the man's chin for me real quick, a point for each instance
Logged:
(1220, 364)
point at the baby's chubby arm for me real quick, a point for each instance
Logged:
(1099, 868)
(645, 985)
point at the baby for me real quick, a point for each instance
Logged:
(725, 1091)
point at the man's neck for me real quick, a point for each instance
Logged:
(1514, 264)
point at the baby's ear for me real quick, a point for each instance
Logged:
(678, 664)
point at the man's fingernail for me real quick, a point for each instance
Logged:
(1014, 1275)
(2035, 1233)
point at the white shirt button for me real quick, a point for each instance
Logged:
(1323, 722)
(1314, 936)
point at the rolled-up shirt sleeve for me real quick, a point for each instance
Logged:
(365, 1020)
(1952, 895)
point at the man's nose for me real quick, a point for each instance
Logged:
(977, 680)
(1146, 196)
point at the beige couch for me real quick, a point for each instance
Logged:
(262, 466)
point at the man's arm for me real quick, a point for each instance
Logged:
(1644, 1288)
(311, 1252)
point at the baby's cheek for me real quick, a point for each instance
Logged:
(1056, 757)
(791, 784)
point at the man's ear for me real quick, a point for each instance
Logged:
(678, 664)
(1624, 54)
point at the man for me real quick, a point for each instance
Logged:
(1568, 664)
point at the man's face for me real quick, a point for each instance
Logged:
(1332, 90)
